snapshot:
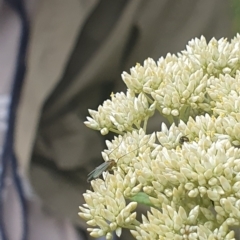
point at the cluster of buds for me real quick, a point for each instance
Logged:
(187, 174)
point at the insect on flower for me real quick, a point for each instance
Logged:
(106, 166)
(183, 139)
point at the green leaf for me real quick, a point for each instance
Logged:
(142, 198)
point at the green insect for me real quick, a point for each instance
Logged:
(105, 166)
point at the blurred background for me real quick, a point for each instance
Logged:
(58, 59)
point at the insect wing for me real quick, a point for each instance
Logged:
(108, 165)
(99, 170)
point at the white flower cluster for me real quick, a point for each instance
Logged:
(123, 113)
(188, 173)
(194, 82)
(171, 224)
(107, 209)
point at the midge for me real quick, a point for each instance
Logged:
(106, 166)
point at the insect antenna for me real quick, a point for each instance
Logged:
(115, 147)
(108, 165)
(113, 163)
(135, 149)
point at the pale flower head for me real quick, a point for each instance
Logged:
(187, 171)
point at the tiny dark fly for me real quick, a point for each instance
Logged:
(183, 139)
